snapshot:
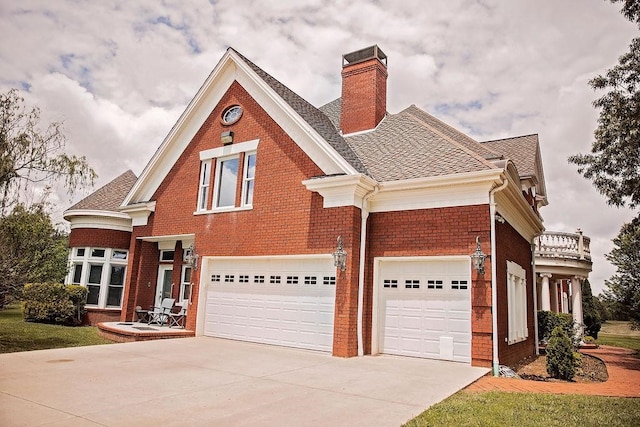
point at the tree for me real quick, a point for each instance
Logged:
(624, 285)
(591, 315)
(32, 156)
(33, 250)
(614, 162)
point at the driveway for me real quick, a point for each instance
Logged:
(208, 381)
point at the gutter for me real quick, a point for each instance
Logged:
(364, 209)
(494, 284)
(535, 295)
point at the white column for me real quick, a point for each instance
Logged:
(576, 302)
(554, 296)
(545, 302)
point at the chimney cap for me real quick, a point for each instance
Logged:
(371, 52)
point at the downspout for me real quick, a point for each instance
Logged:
(364, 210)
(494, 284)
(535, 295)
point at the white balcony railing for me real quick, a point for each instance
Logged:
(563, 245)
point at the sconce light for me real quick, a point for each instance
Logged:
(226, 137)
(340, 256)
(499, 218)
(478, 257)
(191, 256)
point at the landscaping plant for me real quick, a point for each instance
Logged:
(560, 357)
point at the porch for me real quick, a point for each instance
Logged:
(140, 331)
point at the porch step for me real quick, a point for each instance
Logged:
(134, 331)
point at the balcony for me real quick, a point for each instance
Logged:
(569, 246)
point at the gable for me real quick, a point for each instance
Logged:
(234, 68)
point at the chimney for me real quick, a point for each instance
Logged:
(364, 89)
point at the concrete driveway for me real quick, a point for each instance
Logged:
(208, 381)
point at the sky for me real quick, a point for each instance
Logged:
(119, 73)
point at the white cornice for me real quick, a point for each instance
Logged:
(511, 204)
(341, 190)
(139, 212)
(106, 220)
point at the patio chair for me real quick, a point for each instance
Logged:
(159, 315)
(179, 318)
(141, 315)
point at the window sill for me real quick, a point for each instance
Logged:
(516, 340)
(95, 307)
(223, 210)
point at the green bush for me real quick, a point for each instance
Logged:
(549, 320)
(560, 357)
(588, 339)
(54, 303)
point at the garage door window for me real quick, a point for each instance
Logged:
(517, 303)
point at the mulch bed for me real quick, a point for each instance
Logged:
(534, 368)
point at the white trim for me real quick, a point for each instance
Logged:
(204, 183)
(139, 212)
(228, 150)
(107, 220)
(341, 190)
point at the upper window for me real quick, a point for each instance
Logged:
(231, 114)
(233, 170)
(517, 303)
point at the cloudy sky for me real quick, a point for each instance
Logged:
(119, 73)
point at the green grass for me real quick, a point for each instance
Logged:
(18, 335)
(530, 409)
(619, 334)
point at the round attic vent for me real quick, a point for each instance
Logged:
(231, 114)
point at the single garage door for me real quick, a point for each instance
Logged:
(424, 308)
(285, 301)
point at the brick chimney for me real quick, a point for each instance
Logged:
(364, 89)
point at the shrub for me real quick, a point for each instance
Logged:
(560, 358)
(588, 339)
(549, 320)
(54, 303)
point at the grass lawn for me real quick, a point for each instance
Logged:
(530, 409)
(18, 335)
(618, 334)
(533, 409)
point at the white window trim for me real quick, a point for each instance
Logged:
(183, 283)
(107, 261)
(246, 180)
(224, 153)
(203, 187)
(516, 303)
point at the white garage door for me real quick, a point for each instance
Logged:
(282, 301)
(424, 308)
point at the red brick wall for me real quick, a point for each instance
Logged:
(95, 316)
(433, 232)
(364, 96)
(97, 237)
(511, 246)
(286, 218)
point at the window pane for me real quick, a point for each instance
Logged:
(186, 291)
(95, 274)
(248, 197)
(119, 254)
(167, 255)
(114, 296)
(94, 293)
(187, 275)
(80, 252)
(77, 273)
(97, 253)
(227, 182)
(251, 166)
(249, 174)
(117, 275)
(203, 193)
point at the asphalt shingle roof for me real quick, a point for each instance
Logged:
(110, 196)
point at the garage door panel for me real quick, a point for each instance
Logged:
(428, 312)
(274, 301)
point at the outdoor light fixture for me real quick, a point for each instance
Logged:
(340, 256)
(191, 256)
(478, 257)
(226, 137)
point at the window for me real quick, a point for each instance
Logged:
(203, 191)
(233, 176)
(102, 271)
(226, 182)
(517, 303)
(185, 284)
(166, 255)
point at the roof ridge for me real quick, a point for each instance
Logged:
(475, 155)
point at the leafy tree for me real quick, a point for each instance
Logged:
(33, 250)
(590, 313)
(33, 156)
(614, 162)
(624, 285)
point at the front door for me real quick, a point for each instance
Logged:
(165, 283)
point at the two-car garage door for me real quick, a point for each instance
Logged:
(285, 301)
(424, 308)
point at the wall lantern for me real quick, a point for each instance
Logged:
(191, 256)
(340, 256)
(226, 137)
(478, 257)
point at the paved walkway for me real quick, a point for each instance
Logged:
(624, 378)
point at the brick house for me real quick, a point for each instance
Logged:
(260, 184)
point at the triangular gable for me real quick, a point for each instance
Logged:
(232, 67)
